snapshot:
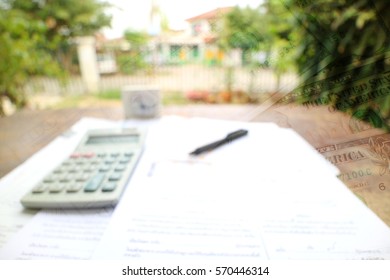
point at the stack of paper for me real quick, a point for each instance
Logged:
(268, 195)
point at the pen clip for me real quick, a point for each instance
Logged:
(236, 134)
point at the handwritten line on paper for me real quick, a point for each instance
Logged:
(59, 234)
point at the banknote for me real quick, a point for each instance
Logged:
(362, 96)
(364, 165)
(311, 111)
(361, 152)
(317, 125)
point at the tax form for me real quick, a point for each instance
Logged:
(266, 196)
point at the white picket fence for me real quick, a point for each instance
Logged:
(171, 78)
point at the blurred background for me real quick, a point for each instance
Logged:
(69, 53)
(319, 67)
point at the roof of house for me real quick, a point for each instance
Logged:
(211, 14)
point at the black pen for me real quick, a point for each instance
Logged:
(230, 137)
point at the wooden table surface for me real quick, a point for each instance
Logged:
(26, 132)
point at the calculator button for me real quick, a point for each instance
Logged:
(109, 186)
(89, 169)
(128, 154)
(80, 161)
(95, 162)
(114, 154)
(40, 188)
(94, 183)
(75, 187)
(115, 176)
(104, 168)
(109, 161)
(124, 160)
(75, 156)
(73, 170)
(64, 180)
(56, 188)
(120, 167)
(102, 155)
(50, 179)
(58, 171)
(88, 155)
(82, 177)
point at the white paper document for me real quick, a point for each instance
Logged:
(265, 196)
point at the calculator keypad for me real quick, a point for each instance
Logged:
(86, 172)
(94, 175)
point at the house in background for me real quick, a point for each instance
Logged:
(106, 53)
(177, 47)
(195, 44)
(206, 27)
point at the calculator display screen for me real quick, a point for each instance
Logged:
(111, 139)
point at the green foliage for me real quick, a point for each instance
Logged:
(174, 98)
(36, 35)
(65, 18)
(282, 37)
(267, 29)
(344, 47)
(111, 94)
(244, 29)
(134, 60)
(20, 57)
(130, 63)
(137, 40)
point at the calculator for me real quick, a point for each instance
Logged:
(94, 175)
